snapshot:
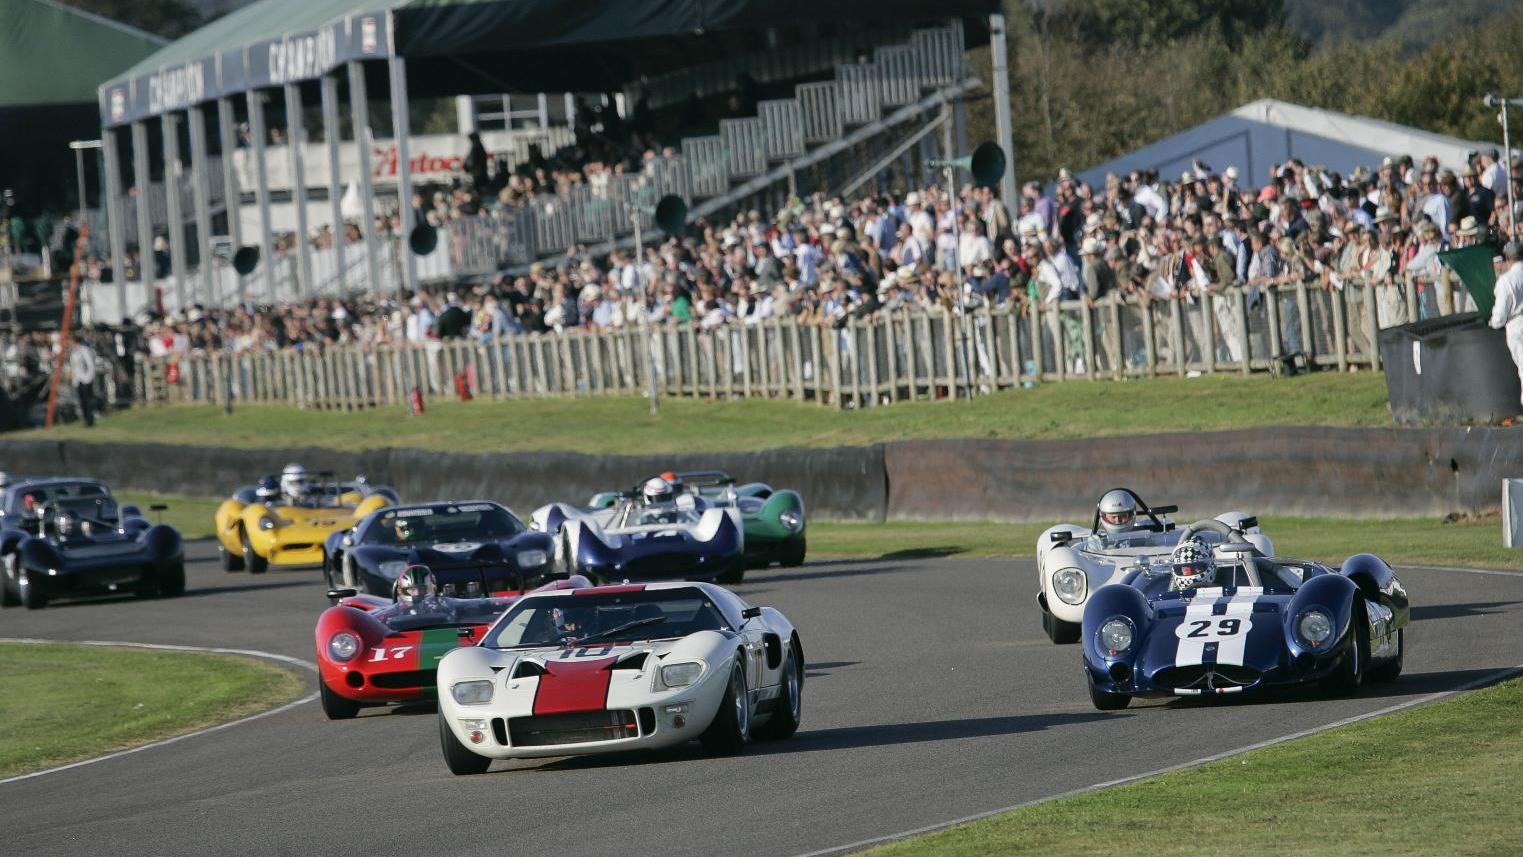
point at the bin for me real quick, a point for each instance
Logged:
(1453, 369)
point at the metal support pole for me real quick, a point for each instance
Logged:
(79, 177)
(232, 202)
(544, 112)
(650, 327)
(947, 153)
(1001, 85)
(359, 109)
(144, 217)
(1512, 205)
(111, 200)
(331, 131)
(200, 176)
(169, 125)
(262, 192)
(400, 123)
(296, 144)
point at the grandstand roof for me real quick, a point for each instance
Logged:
(464, 46)
(54, 54)
(1263, 133)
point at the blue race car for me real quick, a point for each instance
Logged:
(474, 548)
(61, 537)
(1227, 619)
(686, 537)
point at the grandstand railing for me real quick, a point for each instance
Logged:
(945, 352)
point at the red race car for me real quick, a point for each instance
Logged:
(371, 651)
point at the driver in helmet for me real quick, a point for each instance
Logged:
(416, 589)
(657, 490)
(66, 525)
(674, 480)
(407, 529)
(268, 490)
(1193, 565)
(570, 623)
(1118, 512)
(293, 483)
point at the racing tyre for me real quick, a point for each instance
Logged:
(335, 706)
(7, 597)
(1389, 670)
(172, 581)
(1104, 700)
(461, 761)
(1350, 673)
(731, 728)
(32, 597)
(790, 702)
(734, 574)
(252, 561)
(793, 553)
(230, 561)
(1059, 631)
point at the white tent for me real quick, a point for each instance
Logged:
(1263, 133)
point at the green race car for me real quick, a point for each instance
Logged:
(773, 519)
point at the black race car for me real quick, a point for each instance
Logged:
(61, 537)
(474, 548)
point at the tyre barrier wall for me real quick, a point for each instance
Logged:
(1289, 471)
(840, 483)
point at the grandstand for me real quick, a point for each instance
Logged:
(809, 100)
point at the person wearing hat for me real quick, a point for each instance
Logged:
(1507, 302)
(1478, 199)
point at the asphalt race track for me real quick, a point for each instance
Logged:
(931, 695)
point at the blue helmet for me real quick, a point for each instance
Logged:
(267, 489)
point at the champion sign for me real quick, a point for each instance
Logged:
(303, 57)
(175, 88)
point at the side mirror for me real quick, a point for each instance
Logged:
(336, 594)
(1165, 510)
(158, 507)
(750, 613)
(1061, 537)
(465, 633)
(1248, 523)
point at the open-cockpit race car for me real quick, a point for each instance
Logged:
(1218, 616)
(373, 651)
(605, 669)
(61, 537)
(444, 536)
(1073, 561)
(772, 519)
(284, 521)
(654, 532)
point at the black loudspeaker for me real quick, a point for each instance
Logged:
(423, 239)
(987, 164)
(671, 214)
(246, 259)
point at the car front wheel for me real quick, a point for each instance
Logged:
(32, 596)
(255, 563)
(461, 761)
(335, 706)
(731, 728)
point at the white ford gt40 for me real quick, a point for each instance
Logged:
(600, 669)
(1074, 561)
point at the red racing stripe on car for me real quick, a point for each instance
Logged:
(569, 686)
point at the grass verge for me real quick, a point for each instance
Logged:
(1067, 410)
(61, 703)
(1437, 779)
(1411, 541)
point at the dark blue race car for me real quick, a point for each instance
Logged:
(1262, 622)
(61, 537)
(474, 548)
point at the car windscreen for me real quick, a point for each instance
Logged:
(465, 522)
(80, 498)
(629, 616)
(665, 514)
(439, 612)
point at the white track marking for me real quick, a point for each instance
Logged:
(1490, 678)
(1457, 568)
(252, 653)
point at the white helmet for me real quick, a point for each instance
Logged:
(64, 523)
(293, 480)
(1194, 566)
(657, 490)
(1118, 511)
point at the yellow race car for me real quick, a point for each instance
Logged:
(284, 521)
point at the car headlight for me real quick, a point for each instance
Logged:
(1116, 635)
(266, 523)
(472, 692)
(392, 569)
(343, 646)
(680, 675)
(791, 519)
(1069, 584)
(532, 558)
(1314, 627)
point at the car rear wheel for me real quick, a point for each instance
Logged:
(793, 553)
(1389, 670)
(32, 597)
(230, 561)
(790, 701)
(172, 581)
(731, 727)
(1107, 701)
(1059, 631)
(335, 706)
(734, 574)
(255, 563)
(461, 761)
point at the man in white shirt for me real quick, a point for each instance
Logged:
(1507, 310)
(83, 367)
